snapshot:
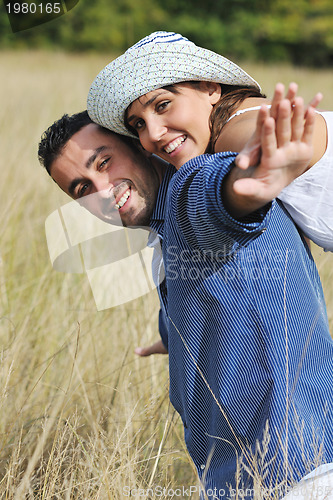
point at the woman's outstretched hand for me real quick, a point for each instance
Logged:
(280, 150)
(250, 155)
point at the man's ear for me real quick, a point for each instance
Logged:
(213, 90)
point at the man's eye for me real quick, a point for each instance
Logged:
(103, 165)
(82, 190)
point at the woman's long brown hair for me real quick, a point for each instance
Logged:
(231, 98)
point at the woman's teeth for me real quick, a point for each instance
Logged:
(174, 144)
(123, 199)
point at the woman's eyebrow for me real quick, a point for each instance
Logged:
(146, 104)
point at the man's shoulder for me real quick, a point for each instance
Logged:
(208, 160)
(209, 167)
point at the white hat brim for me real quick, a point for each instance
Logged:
(149, 67)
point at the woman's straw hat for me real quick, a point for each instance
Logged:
(157, 60)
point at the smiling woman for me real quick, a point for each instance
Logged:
(174, 122)
(183, 101)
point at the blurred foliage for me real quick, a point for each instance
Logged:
(298, 31)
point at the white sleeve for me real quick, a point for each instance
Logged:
(309, 198)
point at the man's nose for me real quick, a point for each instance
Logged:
(104, 197)
(103, 186)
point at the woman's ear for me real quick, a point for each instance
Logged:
(213, 90)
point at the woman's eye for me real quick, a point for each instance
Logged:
(161, 106)
(139, 124)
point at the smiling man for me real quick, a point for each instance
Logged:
(247, 330)
(115, 180)
(84, 158)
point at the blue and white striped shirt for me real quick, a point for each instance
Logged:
(248, 337)
(157, 228)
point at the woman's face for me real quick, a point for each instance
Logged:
(175, 126)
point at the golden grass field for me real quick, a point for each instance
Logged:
(81, 415)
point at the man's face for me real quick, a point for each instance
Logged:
(109, 178)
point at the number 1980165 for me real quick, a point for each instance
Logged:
(33, 8)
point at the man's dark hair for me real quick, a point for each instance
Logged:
(55, 138)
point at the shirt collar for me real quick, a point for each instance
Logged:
(158, 216)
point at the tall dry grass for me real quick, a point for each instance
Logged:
(80, 415)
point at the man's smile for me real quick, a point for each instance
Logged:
(124, 197)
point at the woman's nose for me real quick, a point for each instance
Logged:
(156, 129)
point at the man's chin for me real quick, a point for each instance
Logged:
(114, 220)
(141, 219)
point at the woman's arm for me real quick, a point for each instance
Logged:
(239, 130)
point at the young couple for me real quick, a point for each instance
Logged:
(246, 326)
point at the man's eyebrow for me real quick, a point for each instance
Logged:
(89, 162)
(73, 184)
(146, 104)
(93, 157)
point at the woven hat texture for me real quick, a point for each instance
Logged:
(157, 60)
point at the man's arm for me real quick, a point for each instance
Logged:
(156, 348)
(283, 143)
(159, 347)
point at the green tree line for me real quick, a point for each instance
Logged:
(298, 31)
